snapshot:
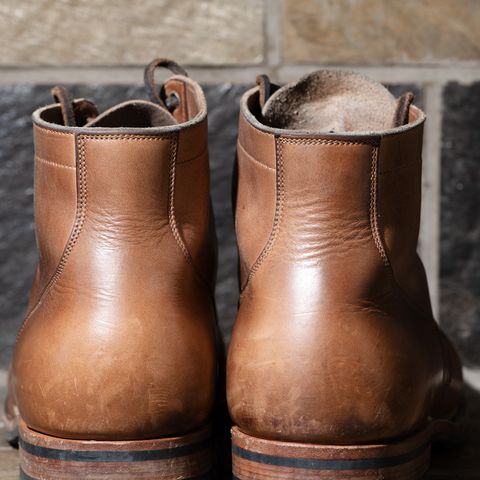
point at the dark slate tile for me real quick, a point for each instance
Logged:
(460, 220)
(17, 244)
(223, 103)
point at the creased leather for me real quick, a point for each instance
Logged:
(122, 344)
(329, 346)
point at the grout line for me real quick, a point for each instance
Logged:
(3, 391)
(120, 75)
(273, 40)
(463, 73)
(472, 377)
(3, 377)
(429, 246)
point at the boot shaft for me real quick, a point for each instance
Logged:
(122, 301)
(340, 203)
(334, 323)
(126, 188)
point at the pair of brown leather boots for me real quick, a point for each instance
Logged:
(336, 367)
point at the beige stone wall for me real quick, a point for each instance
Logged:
(426, 42)
(239, 32)
(388, 32)
(130, 32)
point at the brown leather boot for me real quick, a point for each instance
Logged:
(336, 368)
(114, 368)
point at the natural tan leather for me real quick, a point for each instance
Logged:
(119, 340)
(335, 340)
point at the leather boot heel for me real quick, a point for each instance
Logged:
(407, 459)
(46, 457)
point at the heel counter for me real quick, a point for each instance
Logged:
(138, 382)
(361, 378)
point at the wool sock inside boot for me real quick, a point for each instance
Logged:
(335, 102)
(130, 114)
(134, 114)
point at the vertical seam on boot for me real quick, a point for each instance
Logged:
(279, 204)
(82, 198)
(280, 193)
(172, 221)
(446, 358)
(374, 224)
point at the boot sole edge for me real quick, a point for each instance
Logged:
(407, 459)
(186, 457)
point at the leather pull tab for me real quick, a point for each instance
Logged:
(266, 89)
(157, 95)
(403, 109)
(62, 96)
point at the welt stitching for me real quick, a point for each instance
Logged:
(54, 164)
(172, 221)
(322, 141)
(373, 207)
(279, 204)
(128, 137)
(49, 131)
(253, 159)
(82, 197)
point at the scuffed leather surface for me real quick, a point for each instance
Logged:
(122, 343)
(326, 347)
